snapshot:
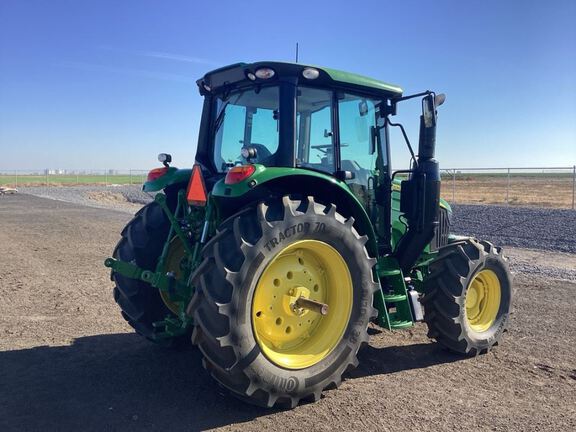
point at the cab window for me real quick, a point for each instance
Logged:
(314, 136)
(246, 119)
(357, 122)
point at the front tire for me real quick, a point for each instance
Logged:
(254, 341)
(468, 296)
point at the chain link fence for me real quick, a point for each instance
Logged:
(533, 186)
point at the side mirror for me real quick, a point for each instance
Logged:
(429, 111)
(429, 105)
(439, 99)
(427, 144)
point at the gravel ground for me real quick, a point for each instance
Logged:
(535, 228)
(68, 361)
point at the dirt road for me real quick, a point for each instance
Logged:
(68, 361)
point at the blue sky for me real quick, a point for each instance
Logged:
(109, 84)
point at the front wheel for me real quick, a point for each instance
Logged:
(258, 312)
(468, 295)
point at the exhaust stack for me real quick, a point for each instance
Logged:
(420, 194)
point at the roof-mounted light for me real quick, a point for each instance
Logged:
(265, 73)
(250, 76)
(164, 158)
(206, 87)
(310, 73)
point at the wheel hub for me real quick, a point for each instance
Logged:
(292, 336)
(291, 298)
(174, 265)
(483, 300)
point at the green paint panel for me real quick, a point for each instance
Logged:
(359, 80)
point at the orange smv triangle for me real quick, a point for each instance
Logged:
(196, 193)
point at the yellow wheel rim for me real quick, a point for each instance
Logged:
(176, 254)
(297, 338)
(483, 300)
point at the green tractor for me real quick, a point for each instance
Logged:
(291, 234)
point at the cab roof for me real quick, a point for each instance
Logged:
(237, 75)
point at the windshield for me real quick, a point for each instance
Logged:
(246, 119)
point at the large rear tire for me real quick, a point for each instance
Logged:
(142, 242)
(255, 342)
(468, 296)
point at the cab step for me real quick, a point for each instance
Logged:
(393, 302)
(398, 325)
(393, 298)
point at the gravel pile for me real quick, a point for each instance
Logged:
(535, 228)
(127, 198)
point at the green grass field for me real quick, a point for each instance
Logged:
(69, 180)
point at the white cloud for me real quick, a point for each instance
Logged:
(179, 57)
(164, 76)
(162, 55)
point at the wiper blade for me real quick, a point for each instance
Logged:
(220, 117)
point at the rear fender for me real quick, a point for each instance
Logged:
(172, 176)
(277, 182)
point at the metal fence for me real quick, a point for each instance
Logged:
(532, 186)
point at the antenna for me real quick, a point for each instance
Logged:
(296, 52)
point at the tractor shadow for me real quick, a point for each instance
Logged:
(393, 359)
(120, 382)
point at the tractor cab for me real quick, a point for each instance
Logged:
(290, 115)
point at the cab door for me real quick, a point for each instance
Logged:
(357, 127)
(364, 154)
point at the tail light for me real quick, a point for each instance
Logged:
(239, 173)
(156, 173)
